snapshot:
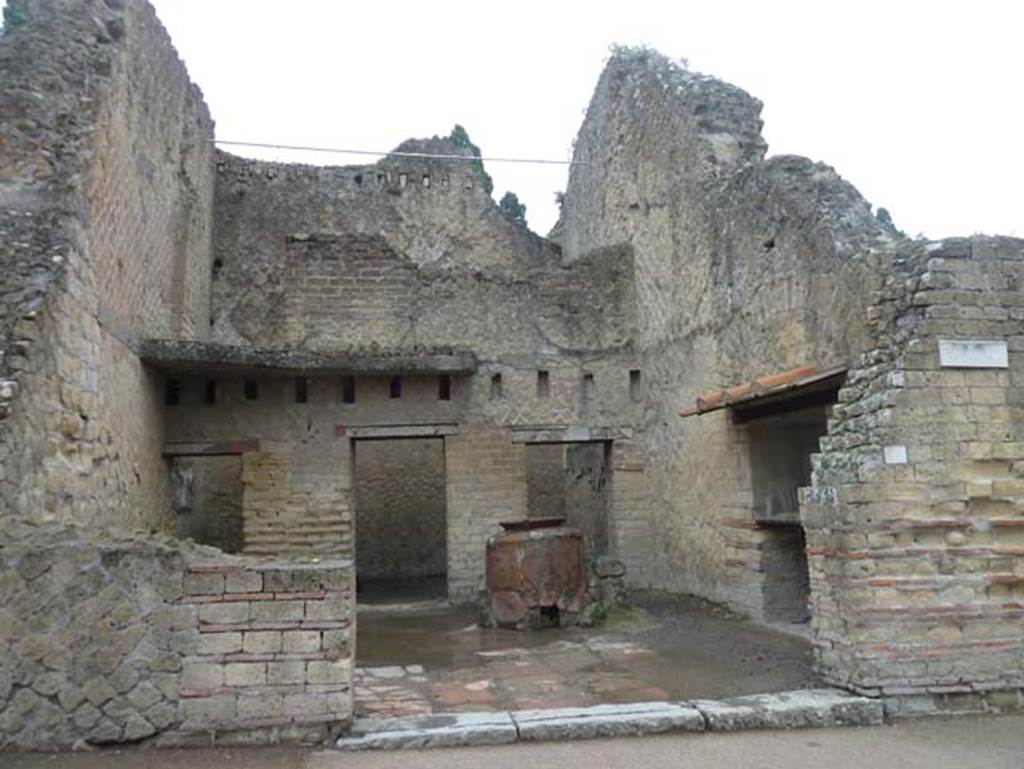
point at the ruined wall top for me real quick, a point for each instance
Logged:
(404, 253)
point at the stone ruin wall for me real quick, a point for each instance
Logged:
(686, 256)
(915, 568)
(744, 266)
(106, 193)
(352, 258)
(298, 484)
(107, 184)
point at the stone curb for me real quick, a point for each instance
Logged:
(800, 709)
(434, 731)
(606, 721)
(785, 710)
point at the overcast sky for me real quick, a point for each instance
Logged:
(919, 104)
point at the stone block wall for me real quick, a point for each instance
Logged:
(84, 436)
(92, 637)
(914, 520)
(744, 266)
(274, 654)
(107, 639)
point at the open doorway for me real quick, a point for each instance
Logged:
(401, 530)
(781, 445)
(572, 481)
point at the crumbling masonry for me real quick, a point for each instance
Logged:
(756, 391)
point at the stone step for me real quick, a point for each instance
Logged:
(785, 710)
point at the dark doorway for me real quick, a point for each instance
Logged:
(208, 500)
(401, 530)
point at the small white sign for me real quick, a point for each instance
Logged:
(895, 455)
(973, 353)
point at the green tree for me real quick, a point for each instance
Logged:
(460, 138)
(512, 208)
(885, 219)
(15, 14)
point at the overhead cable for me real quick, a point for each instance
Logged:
(426, 155)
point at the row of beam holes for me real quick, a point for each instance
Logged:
(444, 388)
(251, 390)
(588, 382)
(384, 180)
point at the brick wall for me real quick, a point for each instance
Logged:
(486, 484)
(631, 524)
(298, 487)
(150, 189)
(297, 499)
(275, 650)
(916, 558)
(339, 287)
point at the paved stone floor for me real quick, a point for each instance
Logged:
(414, 661)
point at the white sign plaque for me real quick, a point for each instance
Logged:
(973, 353)
(895, 455)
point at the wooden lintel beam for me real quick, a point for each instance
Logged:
(210, 448)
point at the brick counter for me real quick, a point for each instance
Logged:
(275, 653)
